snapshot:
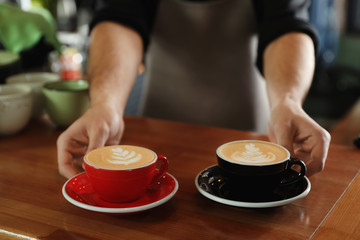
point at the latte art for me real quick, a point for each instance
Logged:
(253, 155)
(252, 152)
(121, 156)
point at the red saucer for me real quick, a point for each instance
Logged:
(79, 192)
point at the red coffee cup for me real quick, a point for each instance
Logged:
(123, 173)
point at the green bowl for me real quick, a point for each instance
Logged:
(66, 101)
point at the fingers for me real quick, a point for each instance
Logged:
(66, 164)
(306, 140)
(103, 136)
(68, 169)
(315, 151)
(96, 128)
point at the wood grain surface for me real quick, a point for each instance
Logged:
(32, 205)
(348, 127)
(344, 221)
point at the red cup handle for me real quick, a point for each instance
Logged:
(157, 180)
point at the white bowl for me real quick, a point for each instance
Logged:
(15, 108)
(35, 80)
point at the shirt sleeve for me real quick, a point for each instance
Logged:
(275, 18)
(136, 14)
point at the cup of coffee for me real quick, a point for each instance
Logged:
(123, 173)
(257, 167)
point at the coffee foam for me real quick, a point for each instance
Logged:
(252, 152)
(120, 157)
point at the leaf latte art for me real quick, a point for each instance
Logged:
(126, 157)
(120, 157)
(253, 155)
(252, 152)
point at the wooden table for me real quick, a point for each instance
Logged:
(348, 127)
(344, 221)
(32, 206)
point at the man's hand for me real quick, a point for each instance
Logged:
(115, 54)
(99, 126)
(292, 128)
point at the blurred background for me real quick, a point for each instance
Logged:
(336, 83)
(71, 20)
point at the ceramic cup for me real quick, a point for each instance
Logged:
(15, 108)
(35, 80)
(10, 63)
(123, 173)
(66, 101)
(257, 167)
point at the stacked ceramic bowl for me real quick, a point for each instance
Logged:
(21, 99)
(10, 64)
(35, 80)
(15, 108)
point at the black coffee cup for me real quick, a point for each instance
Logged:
(256, 168)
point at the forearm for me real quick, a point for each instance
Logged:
(289, 63)
(115, 55)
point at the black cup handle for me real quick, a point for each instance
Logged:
(292, 176)
(212, 182)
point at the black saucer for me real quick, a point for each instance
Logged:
(212, 184)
